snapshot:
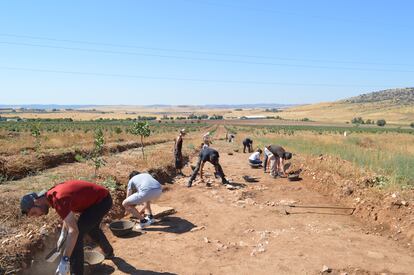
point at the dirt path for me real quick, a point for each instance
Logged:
(245, 231)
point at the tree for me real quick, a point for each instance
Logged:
(99, 143)
(412, 124)
(35, 131)
(141, 129)
(357, 120)
(381, 122)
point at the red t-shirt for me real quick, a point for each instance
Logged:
(75, 196)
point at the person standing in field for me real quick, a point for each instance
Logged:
(247, 143)
(142, 189)
(277, 156)
(212, 156)
(207, 139)
(70, 198)
(178, 155)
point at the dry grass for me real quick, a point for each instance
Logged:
(343, 112)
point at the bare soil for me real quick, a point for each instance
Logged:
(245, 231)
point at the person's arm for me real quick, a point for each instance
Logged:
(73, 232)
(282, 165)
(201, 170)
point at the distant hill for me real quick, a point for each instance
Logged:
(394, 105)
(403, 96)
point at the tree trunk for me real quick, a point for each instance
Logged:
(142, 147)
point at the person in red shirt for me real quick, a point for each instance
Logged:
(91, 201)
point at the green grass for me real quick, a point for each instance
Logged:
(396, 166)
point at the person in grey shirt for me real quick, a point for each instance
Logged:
(142, 189)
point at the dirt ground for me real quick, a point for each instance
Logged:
(240, 231)
(245, 231)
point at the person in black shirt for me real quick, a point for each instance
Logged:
(247, 143)
(178, 155)
(280, 154)
(212, 156)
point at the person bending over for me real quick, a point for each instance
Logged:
(207, 155)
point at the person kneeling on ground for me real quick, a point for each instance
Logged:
(247, 143)
(277, 156)
(146, 190)
(255, 157)
(92, 201)
(212, 156)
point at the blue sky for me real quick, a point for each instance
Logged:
(202, 52)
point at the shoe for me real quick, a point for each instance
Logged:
(189, 184)
(143, 223)
(225, 182)
(150, 219)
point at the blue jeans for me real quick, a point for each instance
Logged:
(255, 161)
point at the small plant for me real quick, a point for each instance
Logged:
(110, 183)
(35, 132)
(97, 152)
(381, 122)
(79, 158)
(141, 129)
(118, 130)
(412, 125)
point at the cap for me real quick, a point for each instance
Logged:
(182, 131)
(27, 201)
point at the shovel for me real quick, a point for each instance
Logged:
(55, 253)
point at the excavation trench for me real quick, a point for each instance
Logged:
(15, 168)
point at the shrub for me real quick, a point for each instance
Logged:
(381, 122)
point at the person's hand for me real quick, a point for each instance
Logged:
(62, 238)
(63, 267)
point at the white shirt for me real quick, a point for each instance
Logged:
(255, 156)
(268, 153)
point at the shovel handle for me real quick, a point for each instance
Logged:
(322, 207)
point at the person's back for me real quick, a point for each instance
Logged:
(247, 141)
(255, 156)
(277, 150)
(207, 152)
(143, 182)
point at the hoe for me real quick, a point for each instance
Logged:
(318, 207)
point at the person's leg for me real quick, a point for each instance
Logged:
(244, 148)
(77, 257)
(130, 204)
(219, 171)
(273, 166)
(89, 221)
(194, 174)
(96, 233)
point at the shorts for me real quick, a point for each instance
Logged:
(143, 196)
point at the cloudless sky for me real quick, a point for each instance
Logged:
(202, 51)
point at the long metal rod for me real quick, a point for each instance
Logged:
(326, 207)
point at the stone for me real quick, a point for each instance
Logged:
(198, 228)
(206, 240)
(347, 191)
(161, 211)
(375, 255)
(243, 244)
(326, 269)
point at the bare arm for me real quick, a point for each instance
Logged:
(73, 232)
(282, 165)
